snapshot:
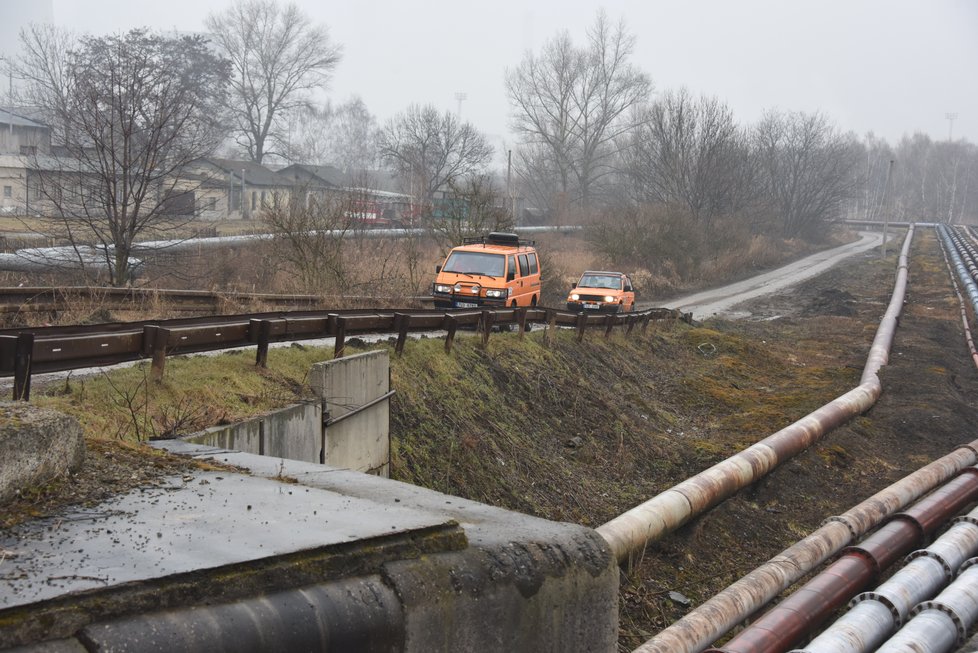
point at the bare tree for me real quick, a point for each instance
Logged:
(278, 58)
(430, 150)
(308, 130)
(133, 111)
(354, 137)
(44, 67)
(807, 168)
(472, 207)
(577, 101)
(691, 152)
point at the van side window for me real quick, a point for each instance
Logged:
(534, 268)
(524, 266)
(510, 267)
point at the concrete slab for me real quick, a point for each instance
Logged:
(205, 520)
(327, 559)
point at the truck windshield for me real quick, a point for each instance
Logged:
(490, 265)
(600, 281)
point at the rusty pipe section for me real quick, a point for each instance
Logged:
(876, 615)
(790, 620)
(942, 624)
(629, 533)
(705, 624)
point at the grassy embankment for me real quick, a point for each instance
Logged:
(546, 426)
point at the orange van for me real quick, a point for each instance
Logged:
(610, 292)
(495, 271)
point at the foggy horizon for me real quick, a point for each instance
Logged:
(891, 68)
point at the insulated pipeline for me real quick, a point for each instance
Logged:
(941, 625)
(707, 622)
(630, 532)
(787, 622)
(875, 615)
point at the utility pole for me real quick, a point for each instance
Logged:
(951, 116)
(459, 96)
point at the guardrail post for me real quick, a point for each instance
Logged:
(401, 323)
(488, 317)
(451, 325)
(23, 355)
(551, 329)
(340, 337)
(581, 325)
(645, 322)
(264, 330)
(609, 324)
(630, 320)
(159, 353)
(521, 320)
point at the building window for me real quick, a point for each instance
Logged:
(8, 191)
(28, 150)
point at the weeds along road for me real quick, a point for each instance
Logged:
(722, 302)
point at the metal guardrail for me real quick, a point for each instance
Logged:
(24, 352)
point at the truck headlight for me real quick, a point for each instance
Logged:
(442, 288)
(609, 298)
(575, 296)
(496, 293)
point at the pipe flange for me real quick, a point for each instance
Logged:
(970, 562)
(879, 598)
(925, 553)
(964, 518)
(968, 446)
(941, 607)
(843, 520)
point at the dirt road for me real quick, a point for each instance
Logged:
(723, 301)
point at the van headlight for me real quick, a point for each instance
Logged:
(609, 298)
(496, 293)
(442, 288)
(575, 296)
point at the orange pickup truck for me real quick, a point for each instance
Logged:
(610, 292)
(497, 270)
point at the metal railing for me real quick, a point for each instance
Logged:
(25, 352)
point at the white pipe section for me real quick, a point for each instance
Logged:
(876, 615)
(941, 625)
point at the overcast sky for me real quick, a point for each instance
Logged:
(890, 66)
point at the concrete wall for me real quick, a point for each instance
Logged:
(294, 433)
(361, 441)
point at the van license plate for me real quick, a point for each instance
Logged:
(465, 305)
(588, 305)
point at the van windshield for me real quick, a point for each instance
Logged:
(490, 265)
(600, 281)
